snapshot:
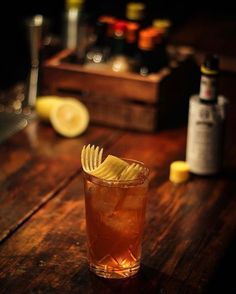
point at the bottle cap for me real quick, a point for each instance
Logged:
(135, 11)
(156, 33)
(210, 65)
(179, 171)
(74, 3)
(131, 32)
(107, 19)
(146, 40)
(162, 24)
(119, 28)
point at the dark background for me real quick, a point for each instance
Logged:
(14, 61)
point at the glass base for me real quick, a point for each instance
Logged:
(114, 273)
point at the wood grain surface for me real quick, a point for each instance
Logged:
(35, 165)
(188, 243)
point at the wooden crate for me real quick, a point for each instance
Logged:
(125, 100)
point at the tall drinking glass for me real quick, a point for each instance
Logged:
(115, 215)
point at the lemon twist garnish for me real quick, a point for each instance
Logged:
(112, 168)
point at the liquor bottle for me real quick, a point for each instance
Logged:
(98, 52)
(146, 45)
(119, 62)
(135, 12)
(110, 22)
(131, 37)
(163, 25)
(74, 9)
(160, 58)
(76, 33)
(204, 151)
(131, 49)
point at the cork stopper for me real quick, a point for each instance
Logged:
(179, 172)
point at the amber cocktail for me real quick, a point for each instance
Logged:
(115, 214)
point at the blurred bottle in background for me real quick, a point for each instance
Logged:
(99, 52)
(110, 22)
(163, 25)
(73, 13)
(146, 45)
(76, 28)
(131, 36)
(136, 12)
(119, 62)
(160, 58)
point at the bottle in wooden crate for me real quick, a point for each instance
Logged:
(160, 58)
(163, 25)
(146, 45)
(98, 53)
(119, 62)
(136, 12)
(109, 21)
(131, 36)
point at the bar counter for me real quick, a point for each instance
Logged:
(189, 237)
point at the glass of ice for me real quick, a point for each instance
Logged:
(115, 215)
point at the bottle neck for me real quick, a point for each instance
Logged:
(208, 88)
(118, 44)
(100, 40)
(146, 61)
(131, 49)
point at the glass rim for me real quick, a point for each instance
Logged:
(129, 183)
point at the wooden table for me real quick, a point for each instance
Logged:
(189, 233)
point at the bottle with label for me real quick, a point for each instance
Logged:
(206, 123)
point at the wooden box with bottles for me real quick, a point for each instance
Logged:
(124, 100)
